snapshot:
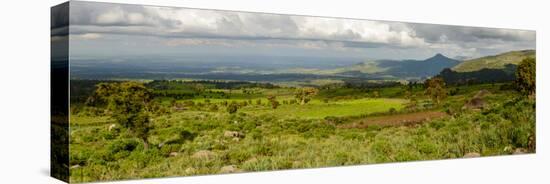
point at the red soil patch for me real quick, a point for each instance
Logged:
(397, 119)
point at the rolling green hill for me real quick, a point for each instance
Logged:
(494, 62)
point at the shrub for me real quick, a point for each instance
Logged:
(374, 128)
(180, 135)
(256, 134)
(263, 150)
(317, 130)
(406, 155)
(232, 108)
(427, 147)
(80, 157)
(109, 135)
(167, 149)
(352, 136)
(122, 145)
(339, 158)
(382, 150)
(146, 157)
(260, 164)
(214, 107)
(248, 126)
(238, 156)
(437, 124)
(335, 120)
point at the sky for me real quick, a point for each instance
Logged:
(104, 30)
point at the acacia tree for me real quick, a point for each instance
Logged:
(435, 88)
(128, 103)
(304, 95)
(525, 76)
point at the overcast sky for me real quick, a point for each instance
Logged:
(115, 30)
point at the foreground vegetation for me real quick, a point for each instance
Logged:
(178, 128)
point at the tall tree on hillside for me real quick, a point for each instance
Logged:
(525, 76)
(435, 88)
(304, 95)
(128, 103)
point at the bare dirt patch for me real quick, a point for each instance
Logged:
(397, 119)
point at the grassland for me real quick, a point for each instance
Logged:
(318, 109)
(339, 126)
(494, 62)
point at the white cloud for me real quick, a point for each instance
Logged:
(89, 36)
(182, 26)
(113, 16)
(181, 22)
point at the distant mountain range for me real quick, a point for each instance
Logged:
(395, 69)
(263, 68)
(496, 68)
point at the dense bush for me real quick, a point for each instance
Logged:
(120, 148)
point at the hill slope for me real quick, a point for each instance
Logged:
(494, 62)
(402, 69)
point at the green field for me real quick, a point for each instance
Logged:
(192, 133)
(318, 109)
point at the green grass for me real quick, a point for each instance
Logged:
(319, 109)
(294, 136)
(88, 120)
(494, 62)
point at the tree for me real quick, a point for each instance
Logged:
(525, 76)
(129, 104)
(232, 107)
(304, 95)
(407, 91)
(273, 101)
(375, 94)
(214, 107)
(412, 104)
(435, 88)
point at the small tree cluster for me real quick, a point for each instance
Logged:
(435, 88)
(232, 107)
(525, 76)
(129, 104)
(273, 101)
(304, 95)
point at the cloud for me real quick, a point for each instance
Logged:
(183, 26)
(433, 33)
(90, 36)
(181, 22)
